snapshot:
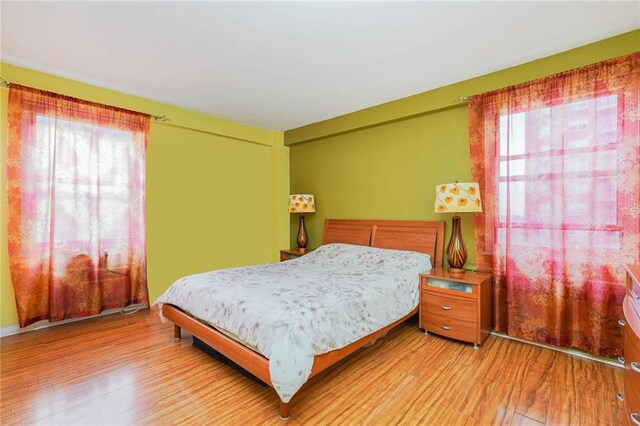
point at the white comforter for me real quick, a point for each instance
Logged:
(294, 310)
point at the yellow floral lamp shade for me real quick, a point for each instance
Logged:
(302, 203)
(458, 198)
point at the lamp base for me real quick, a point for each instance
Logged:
(456, 250)
(456, 271)
(302, 240)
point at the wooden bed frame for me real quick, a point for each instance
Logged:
(421, 236)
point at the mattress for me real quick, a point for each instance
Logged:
(292, 311)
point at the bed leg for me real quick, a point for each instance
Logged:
(285, 411)
(177, 332)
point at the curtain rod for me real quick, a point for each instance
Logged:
(6, 83)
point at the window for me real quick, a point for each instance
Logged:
(579, 168)
(90, 178)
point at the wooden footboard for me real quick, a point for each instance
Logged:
(255, 363)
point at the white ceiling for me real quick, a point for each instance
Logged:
(281, 65)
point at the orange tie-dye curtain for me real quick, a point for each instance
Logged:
(76, 211)
(558, 162)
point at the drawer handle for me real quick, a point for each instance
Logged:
(621, 359)
(445, 327)
(620, 397)
(446, 308)
(634, 419)
(635, 367)
(621, 323)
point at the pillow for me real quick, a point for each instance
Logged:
(340, 255)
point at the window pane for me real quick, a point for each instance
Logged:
(512, 134)
(515, 202)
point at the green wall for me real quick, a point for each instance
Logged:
(216, 190)
(385, 161)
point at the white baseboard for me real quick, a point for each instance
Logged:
(11, 329)
(569, 351)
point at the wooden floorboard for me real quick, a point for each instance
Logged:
(119, 370)
(533, 400)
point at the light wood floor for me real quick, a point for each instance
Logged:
(128, 369)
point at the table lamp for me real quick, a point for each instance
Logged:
(302, 203)
(457, 198)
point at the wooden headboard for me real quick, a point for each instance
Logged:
(421, 236)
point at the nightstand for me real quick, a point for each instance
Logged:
(456, 305)
(293, 254)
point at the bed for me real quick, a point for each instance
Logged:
(285, 323)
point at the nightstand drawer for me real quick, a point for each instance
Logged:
(455, 329)
(450, 307)
(431, 283)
